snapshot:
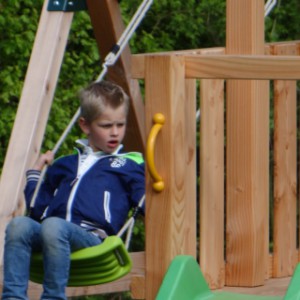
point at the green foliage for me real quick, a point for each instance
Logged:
(18, 21)
(283, 23)
(169, 25)
(177, 25)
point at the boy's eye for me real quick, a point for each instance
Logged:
(106, 126)
(110, 125)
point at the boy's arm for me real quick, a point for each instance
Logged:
(137, 184)
(43, 160)
(32, 178)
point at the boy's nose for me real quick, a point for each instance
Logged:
(114, 130)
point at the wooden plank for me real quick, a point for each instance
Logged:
(108, 27)
(285, 172)
(198, 57)
(169, 213)
(190, 146)
(211, 66)
(138, 287)
(247, 157)
(33, 109)
(272, 287)
(212, 193)
(138, 60)
(243, 67)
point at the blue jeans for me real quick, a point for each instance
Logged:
(56, 238)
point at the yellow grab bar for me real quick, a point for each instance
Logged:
(159, 120)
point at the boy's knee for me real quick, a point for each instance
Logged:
(52, 228)
(19, 227)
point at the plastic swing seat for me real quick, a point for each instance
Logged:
(184, 280)
(99, 264)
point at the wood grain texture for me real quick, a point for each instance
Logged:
(247, 159)
(242, 67)
(216, 66)
(33, 111)
(212, 193)
(170, 214)
(285, 172)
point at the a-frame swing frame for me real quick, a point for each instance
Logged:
(39, 88)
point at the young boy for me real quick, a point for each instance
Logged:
(83, 198)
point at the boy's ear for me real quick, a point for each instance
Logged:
(84, 125)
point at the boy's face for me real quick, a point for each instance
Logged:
(106, 133)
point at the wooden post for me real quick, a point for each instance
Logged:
(211, 217)
(285, 171)
(171, 214)
(247, 152)
(33, 110)
(108, 27)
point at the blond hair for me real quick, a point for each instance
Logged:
(98, 95)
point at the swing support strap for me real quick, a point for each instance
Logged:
(130, 223)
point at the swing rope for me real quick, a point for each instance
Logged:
(109, 60)
(118, 48)
(130, 223)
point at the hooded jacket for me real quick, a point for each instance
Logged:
(100, 198)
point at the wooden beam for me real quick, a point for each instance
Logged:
(108, 27)
(138, 60)
(247, 142)
(32, 115)
(243, 67)
(285, 171)
(215, 66)
(170, 222)
(212, 192)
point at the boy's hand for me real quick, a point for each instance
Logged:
(44, 159)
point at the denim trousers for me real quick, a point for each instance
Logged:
(56, 238)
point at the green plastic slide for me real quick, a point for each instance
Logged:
(185, 281)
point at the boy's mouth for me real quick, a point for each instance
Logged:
(113, 144)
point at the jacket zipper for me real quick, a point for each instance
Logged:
(74, 184)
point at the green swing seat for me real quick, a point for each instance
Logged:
(99, 264)
(184, 280)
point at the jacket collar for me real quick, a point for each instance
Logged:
(83, 145)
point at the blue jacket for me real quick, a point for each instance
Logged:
(102, 197)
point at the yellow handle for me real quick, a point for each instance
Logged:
(159, 120)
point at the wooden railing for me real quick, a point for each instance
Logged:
(224, 241)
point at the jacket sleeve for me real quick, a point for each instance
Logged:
(44, 195)
(136, 183)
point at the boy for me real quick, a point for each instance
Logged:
(84, 197)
